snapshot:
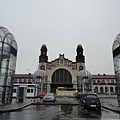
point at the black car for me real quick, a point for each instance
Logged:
(90, 101)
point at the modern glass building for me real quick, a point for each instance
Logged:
(84, 82)
(116, 60)
(8, 56)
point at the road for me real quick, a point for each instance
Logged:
(58, 112)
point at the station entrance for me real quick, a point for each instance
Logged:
(61, 78)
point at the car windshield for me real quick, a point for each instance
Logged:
(91, 96)
(49, 94)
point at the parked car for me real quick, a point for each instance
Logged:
(49, 97)
(41, 94)
(90, 101)
(110, 93)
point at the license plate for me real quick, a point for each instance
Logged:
(93, 105)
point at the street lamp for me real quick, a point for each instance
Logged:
(83, 86)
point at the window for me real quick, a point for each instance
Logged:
(49, 67)
(20, 80)
(111, 89)
(15, 80)
(98, 81)
(73, 67)
(112, 81)
(106, 89)
(14, 90)
(103, 81)
(80, 68)
(61, 61)
(24, 81)
(28, 90)
(101, 89)
(61, 76)
(31, 90)
(65, 62)
(91, 96)
(42, 67)
(29, 81)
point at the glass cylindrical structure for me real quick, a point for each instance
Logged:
(8, 56)
(40, 77)
(116, 61)
(84, 82)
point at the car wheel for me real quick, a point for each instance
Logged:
(99, 110)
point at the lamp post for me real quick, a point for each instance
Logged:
(83, 86)
(41, 85)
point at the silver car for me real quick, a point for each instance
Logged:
(49, 97)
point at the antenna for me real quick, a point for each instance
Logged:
(28, 70)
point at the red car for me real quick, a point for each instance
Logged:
(42, 94)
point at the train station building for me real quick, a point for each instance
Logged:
(62, 72)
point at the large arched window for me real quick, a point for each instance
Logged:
(101, 89)
(106, 89)
(111, 89)
(96, 89)
(62, 76)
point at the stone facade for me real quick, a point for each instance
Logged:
(62, 72)
(61, 64)
(102, 82)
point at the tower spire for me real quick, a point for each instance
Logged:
(43, 57)
(80, 57)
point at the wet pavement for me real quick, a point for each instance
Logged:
(26, 111)
(58, 112)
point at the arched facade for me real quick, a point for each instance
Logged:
(61, 77)
(61, 71)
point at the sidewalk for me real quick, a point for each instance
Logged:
(110, 104)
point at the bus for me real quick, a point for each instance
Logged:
(66, 89)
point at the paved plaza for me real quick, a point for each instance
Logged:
(108, 102)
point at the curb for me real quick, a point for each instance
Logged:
(118, 111)
(15, 109)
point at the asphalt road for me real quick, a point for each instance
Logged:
(58, 112)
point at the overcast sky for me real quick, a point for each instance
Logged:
(62, 25)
